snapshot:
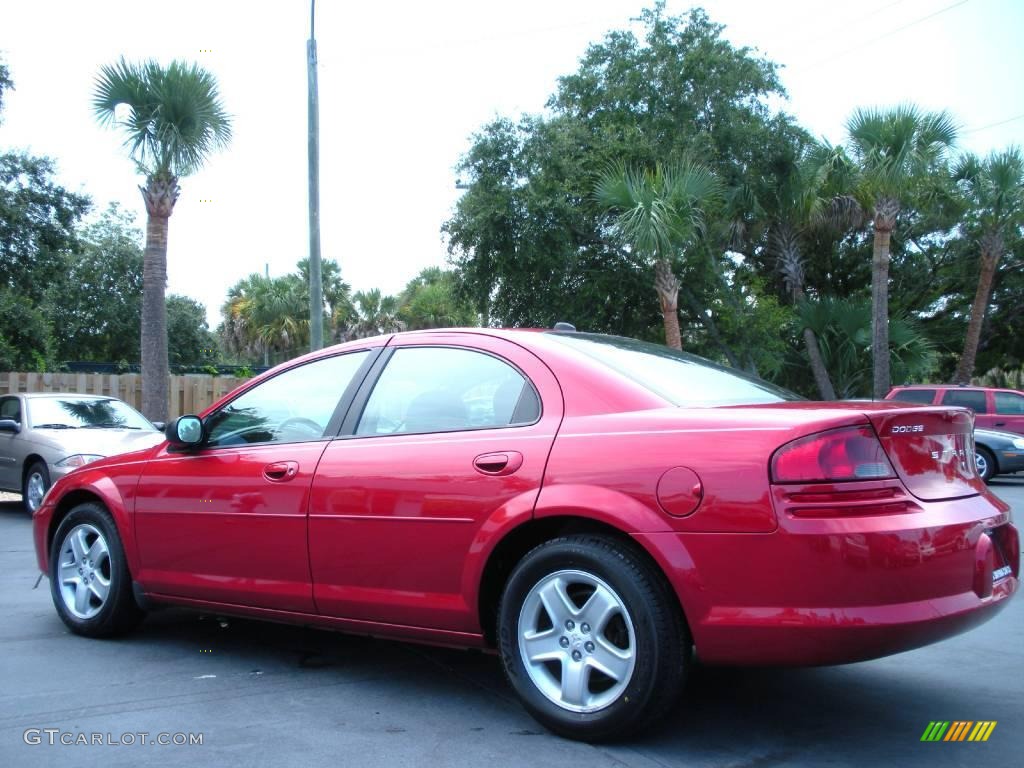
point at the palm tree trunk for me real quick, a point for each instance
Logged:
(159, 196)
(792, 268)
(885, 212)
(818, 369)
(667, 286)
(991, 250)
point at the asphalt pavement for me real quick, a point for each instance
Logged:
(263, 694)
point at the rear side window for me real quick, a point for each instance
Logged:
(679, 378)
(966, 398)
(1009, 404)
(920, 396)
(441, 389)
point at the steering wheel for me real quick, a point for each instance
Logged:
(301, 421)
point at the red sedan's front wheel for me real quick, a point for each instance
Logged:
(591, 638)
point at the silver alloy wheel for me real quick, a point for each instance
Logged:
(982, 462)
(83, 571)
(576, 640)
(35, 490)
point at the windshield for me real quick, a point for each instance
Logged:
(682, 379)
(84, 413)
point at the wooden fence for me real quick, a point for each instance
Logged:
(188, 394)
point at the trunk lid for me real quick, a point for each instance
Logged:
(931, 449)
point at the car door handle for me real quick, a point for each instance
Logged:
(281, 471)
(503, 463)
(1000, 423)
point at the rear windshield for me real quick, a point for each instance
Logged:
(679, 378)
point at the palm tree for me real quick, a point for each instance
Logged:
(896, 153)
(375, 314)
(175, 121)
(803, 201)
(658, 213)
(994, 190)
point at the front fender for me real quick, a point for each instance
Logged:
(117, 494)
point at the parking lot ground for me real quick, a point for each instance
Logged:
(263, 694)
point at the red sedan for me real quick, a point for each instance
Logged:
(593, 508)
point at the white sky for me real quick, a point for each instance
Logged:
(403, 85)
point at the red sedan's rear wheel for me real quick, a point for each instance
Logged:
(591, 638)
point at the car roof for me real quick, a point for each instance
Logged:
(80, 395)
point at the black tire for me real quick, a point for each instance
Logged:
(37, 469)
(117, 612)
(988, 462)
(662, 644)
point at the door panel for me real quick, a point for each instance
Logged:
(393, 517)
(228, 522)
(1009, 412)
(213, 526)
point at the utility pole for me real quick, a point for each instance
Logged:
(316, 301)
(266, 349)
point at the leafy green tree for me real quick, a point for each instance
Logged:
(531, 247)
(38, 221)
(898, 153)
(26, 340)
(96, 299)
(659, 212)
(433, 299)
(189, 340)
(994, 189)
(175, 122)
(6, 84)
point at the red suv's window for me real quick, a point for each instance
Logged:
(922, 396)
(1009, 404)
(966, 398)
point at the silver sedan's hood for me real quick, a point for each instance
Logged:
(102, 442)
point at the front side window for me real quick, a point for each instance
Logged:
(966, 398)
(10, 408)
(922, 396)
(1009, 404)
(292, 407)
(440, 389)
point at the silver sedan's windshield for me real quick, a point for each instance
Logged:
(84, 413)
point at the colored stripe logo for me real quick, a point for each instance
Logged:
(959, 730)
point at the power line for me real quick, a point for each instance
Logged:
(891, 32)
(993, 125)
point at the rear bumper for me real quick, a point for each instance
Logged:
(838, 590)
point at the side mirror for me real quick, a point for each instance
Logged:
(10, 425)
(185, 432)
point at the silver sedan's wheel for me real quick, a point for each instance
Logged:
(37, 482)
(577, 641)
(36, 490)
(84, 571)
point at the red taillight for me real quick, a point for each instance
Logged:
(848, 453)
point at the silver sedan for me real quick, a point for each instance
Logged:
(44, 436)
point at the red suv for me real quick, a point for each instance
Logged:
(1001, 409)
(590, 508)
